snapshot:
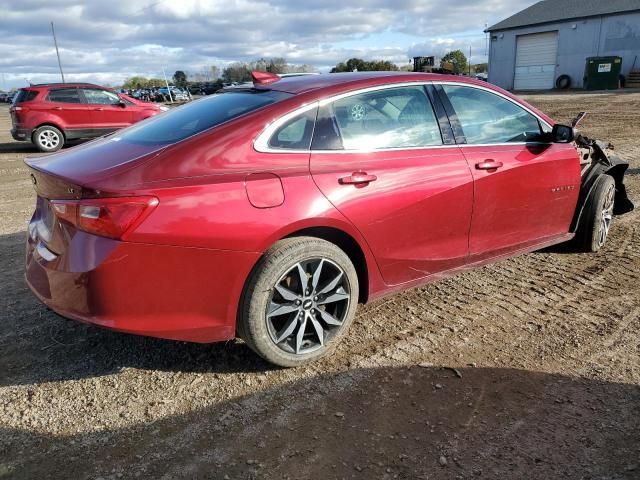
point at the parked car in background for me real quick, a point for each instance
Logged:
(210, 88)
(176, 93)
(3, 97)
(48, 115)
(270, 212)
(11, 96)
(181, 95)
(195, 89)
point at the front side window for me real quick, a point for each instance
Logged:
(195, 117)
(100, 97)
(487, 118)
(399, 117)
(64, 95)
(295, 134)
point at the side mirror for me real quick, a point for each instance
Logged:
(562, 134)
(122, 104)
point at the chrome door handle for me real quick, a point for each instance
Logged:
(57, 108)
(99, 109)
(488, 164)
(357, 178)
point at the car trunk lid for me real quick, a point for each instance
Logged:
(93, 161)
(71, 176)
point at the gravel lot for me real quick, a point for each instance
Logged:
(529, 368)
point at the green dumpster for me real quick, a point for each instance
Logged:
(602, 73)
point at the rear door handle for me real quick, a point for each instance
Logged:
(357, 178)
(488, 164)
(57, 108)
(99, 109)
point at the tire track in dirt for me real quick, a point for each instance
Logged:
(547, 288)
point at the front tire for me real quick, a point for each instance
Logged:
(299, 301)
(48, 139)
(597, 215)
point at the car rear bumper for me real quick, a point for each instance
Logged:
(21, 134)
(178, 293)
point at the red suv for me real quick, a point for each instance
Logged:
(50, 114)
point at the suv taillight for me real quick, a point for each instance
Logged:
(106, 217)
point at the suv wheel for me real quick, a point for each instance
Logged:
(299, 301)
(48, 139)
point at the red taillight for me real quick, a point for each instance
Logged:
(106, 217)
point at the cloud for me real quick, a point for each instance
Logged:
(110, 41)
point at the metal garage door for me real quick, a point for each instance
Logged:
(536, 56)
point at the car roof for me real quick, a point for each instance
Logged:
(306, 83)
(63, 85)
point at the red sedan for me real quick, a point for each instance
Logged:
(270, 211)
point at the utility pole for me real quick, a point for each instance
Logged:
(486, 39)
(55, 42)
(167, 84)
(469, 62)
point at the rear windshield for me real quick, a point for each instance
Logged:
(25, 96)
(195, 117)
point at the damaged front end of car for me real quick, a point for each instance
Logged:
(597, 158)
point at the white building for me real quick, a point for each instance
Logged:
(532, 48)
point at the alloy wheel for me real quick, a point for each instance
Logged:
(308, 306)
(606, 216)
(48, 139)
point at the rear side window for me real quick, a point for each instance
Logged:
(64, 95)
(400, 117)
(195, 117)
(25, 96)
(295, 134)
(487, 118)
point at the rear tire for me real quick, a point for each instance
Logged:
(299, 301)
(597, 215)
(48, 138)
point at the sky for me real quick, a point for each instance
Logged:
(108, 41)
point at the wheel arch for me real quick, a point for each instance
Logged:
(343, 240)
(347, 244)
(616, 171)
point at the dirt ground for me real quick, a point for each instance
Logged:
(529, 368)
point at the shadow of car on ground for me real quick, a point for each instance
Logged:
(387, 422)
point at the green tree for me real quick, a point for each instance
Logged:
(155, 82)
(135, 82)
(237, 72)
(180, 78)
(361, 65)
(382, 66)
(480, 68)
(455, 58)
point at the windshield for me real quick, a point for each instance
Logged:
(195, 117)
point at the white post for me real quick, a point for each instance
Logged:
(167, 84)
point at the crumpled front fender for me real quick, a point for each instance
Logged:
(605, 163)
